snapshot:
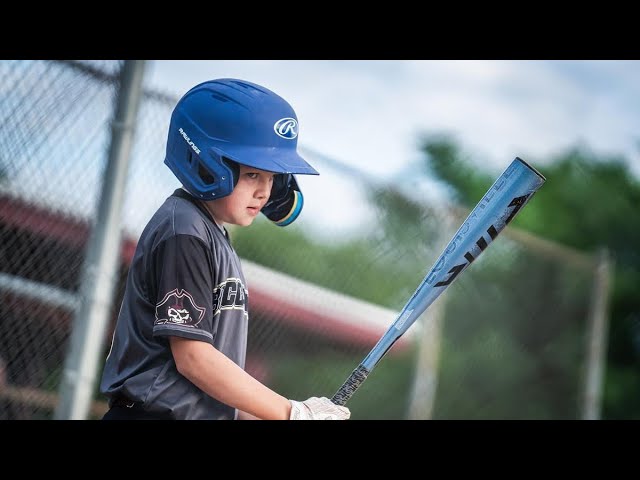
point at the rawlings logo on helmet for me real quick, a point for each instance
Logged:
(191, 144)
(286, 128)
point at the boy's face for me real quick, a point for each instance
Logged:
(250, 194)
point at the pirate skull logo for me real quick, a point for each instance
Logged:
(178, 308)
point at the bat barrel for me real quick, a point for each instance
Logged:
(536, 172)
(509, 193)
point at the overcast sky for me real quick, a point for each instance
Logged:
(368, 113)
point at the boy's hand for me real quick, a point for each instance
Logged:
(318, 409)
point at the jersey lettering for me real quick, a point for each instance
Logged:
(230, 295)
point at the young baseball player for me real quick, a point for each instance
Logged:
(179, 345)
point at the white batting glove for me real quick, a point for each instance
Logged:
(318, 409)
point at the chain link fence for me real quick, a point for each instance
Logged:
(508, 340)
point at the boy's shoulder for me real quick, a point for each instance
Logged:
(180, 215)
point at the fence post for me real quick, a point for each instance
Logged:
(425, 380)
(101, 264)
(597, 338)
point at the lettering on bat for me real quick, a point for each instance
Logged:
(481, 243)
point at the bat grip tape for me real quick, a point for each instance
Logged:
(352, 383)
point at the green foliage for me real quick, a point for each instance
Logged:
(621, 393)
(497, 365)
(588, 202)
(577, 182)
(447, 163)
(494, 364)
(381, 397)
(360, 268)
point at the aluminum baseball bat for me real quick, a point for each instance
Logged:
(499, 205)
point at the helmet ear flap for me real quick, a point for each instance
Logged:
(235, 169)
(285, 202)
(206, 177)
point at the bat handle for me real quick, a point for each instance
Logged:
(349, 387)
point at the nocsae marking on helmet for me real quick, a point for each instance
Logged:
(286, 128)
(186, 137)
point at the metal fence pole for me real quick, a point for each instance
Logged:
(597, 338)
(425, 380)
(101, 264)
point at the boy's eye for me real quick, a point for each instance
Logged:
(256, 176)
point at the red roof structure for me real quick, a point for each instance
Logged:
(283, 298)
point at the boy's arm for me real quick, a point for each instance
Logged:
(218, 376)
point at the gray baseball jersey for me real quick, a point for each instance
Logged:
(185, 280)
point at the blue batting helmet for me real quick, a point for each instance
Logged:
(221, 123)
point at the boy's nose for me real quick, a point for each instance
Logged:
(263, 191)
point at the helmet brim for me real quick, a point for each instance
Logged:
(275, 160)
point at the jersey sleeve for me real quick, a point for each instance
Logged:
(184, 288)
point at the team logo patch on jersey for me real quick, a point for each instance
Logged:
(230, 295)
(178, 308)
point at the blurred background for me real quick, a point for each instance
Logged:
(545, 325)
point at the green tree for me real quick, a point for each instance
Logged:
(495, 364)
(589, 201)
(367, 267)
